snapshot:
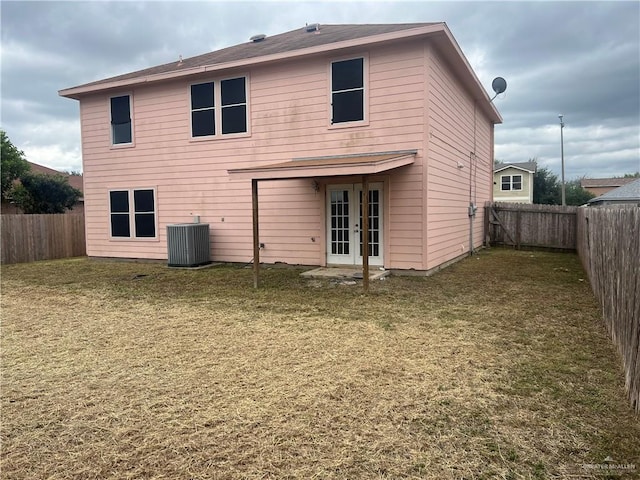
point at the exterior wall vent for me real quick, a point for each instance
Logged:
(188, 244)
(258, 38)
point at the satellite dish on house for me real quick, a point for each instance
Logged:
(499, 85)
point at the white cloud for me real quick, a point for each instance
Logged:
(54, 156)
(592, 151)
(55, 144)
(16, 55)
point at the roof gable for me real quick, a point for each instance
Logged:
(529, 167)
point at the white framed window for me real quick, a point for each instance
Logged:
(348, 93)
(132, 213)
(231, 117)
(121, 120)
(510, 182)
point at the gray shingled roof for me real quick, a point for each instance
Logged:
(629, 192)
(285, 42)
(530, 166)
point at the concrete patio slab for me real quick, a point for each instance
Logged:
(344, 272)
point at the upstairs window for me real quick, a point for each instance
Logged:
(121, 120)
(203, 118)
(230, 118)
(234, 105)
(347, 90)
(511, 182)
(133, 213)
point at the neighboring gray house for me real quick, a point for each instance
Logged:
(628, 194)
(513, 182)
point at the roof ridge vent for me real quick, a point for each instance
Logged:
(314, 27)
(258, 38)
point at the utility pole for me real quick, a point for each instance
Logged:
(564, 200)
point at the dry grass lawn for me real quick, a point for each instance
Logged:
(497, 367)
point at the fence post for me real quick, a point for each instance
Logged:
(487, 233)
(518, 229)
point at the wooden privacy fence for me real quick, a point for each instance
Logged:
(609, 248)
(27, 238)
(608, 243)
(522, 225)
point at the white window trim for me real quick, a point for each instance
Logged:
(131, 114)
(365, 97)
(217, 108)
(132, 221)
(511, 189)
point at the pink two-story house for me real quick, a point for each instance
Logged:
(307, 115)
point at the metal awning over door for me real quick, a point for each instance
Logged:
(330, 166)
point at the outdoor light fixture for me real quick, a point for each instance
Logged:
(564, 202)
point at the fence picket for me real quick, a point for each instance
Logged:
(522, 225)
(609, 248)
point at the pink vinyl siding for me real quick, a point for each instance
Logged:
(413, 101)
(289, 118)
(456, 129)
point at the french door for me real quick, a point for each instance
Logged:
(344, 221)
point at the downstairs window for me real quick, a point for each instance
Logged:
(132, 213)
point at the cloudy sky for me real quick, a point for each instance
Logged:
(581, 59)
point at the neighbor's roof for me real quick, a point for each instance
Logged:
(628, 192)
(74, 180)
(527, 166)
(605, 182)
(297, 43)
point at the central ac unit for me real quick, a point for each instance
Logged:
(188, 244)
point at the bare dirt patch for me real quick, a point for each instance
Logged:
(497, 367)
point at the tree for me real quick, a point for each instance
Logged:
(632, 175)
(575, 194)
(39, 193)
(546, 187)
(13, 164)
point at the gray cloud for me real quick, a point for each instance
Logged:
(581, 59)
